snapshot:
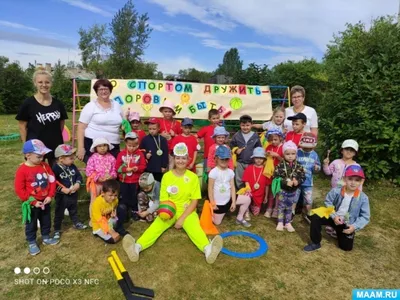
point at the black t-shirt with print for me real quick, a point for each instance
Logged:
(43, 121)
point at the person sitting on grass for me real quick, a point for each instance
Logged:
(182, 187)
(351, 213)
(148, 197)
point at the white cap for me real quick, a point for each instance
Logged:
(350, 144)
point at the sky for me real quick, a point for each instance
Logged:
(187, 33)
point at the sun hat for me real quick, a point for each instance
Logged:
(35, 146)
(258, 152)
(146, 179)
(187, 122)
(308, 140)
(64, 150)
(180, 149)
(100, 141)
(168, 104)
(354, 170)
(350, 144)
(223, 152)
(133, 116)
(299, 116)
(131, 135)
(219, 130)
(289, 145)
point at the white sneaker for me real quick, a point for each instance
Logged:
(66, 212)
(131, 248)
(212, 250)
(247, 216)
(289, 227)
(279, 227)
(268, 214)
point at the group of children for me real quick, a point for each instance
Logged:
(243, 172)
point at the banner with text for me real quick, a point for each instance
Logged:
(192, 100)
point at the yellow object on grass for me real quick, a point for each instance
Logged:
(234, 156)
(323, 212)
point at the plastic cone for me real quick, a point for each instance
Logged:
(206, 219)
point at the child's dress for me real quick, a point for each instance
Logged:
(257, 181)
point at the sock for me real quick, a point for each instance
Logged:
(138, 248)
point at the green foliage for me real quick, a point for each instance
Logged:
(254, 75)
(62, 86)
(194, 75)
(231, 64)
(362, 101)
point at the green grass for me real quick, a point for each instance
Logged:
(175, 269)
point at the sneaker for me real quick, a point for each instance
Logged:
(33, 249)
(330, 231)
(275, 214)
(129, 245)
(279, 227)
(268, 214)
(80, 226)
(66, 212)
(243, 223)
(57, 235)
(247, 216)
(50, 241)
(213, 249)
(312, 247)
(307, 218)
(289, 227)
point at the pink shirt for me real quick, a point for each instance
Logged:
(211, 158)
(336, 169)
(100, 166)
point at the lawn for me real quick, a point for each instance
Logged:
(175, 269)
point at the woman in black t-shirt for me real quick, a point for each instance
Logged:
(42, 116)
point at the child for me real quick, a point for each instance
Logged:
(274, 151)
(245, 141)
(156, 148)
(220, 136)
(207, 132)
(190, 142)
(100, 167)
(130, 164)
(291, 175)
(104, 213)
(277, 120)
(298, 122)
(254, 178)
(148, 197)
(351, 213)
(221, 190)
(134, 120)
(308, 158)
(69, 180)
(35, 185)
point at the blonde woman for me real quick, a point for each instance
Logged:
(41, 116)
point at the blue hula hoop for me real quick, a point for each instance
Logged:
(263, 248)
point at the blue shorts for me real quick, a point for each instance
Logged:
(306, 191)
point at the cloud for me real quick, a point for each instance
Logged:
(33, 40)
(172, 65)
(17, 25)
(89, 7)
(28, 54)
(166, 27)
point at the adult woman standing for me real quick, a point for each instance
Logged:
(42, 116)
(298, 94)
(100, 118)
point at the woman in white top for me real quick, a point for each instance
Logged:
(100, 118)
(297, 94)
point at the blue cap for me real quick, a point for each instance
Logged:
(223, 152)
(35, 146)
(258, 152)
(219, 130)
(274, 130)
(187, 122)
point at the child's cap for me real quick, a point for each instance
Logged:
(133, 116)
(151, 121)
(180, 149)
(100, 141)
(187, 122)
(131, 135)
(308, 140)
(275, 130)
(350, 144)
(64, 150)
(354, 170)
(299, 116)
(168, 104)
(219, 130)
(35, 146)
(223, 152)
(146, 179)
(289, 145)
(258, 152)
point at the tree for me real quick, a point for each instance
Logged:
(254, 75)
(363, 98)
(194, 75)
(62, 86)
(231, 64)
(129, 34)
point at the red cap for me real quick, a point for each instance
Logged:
(354, 170)
(151, 121)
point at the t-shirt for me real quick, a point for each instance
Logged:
(309, 160)
(101, 208)
(311, 114)
(294, 137)
(222, 186)
(247, 136)
(206, 133)
(253, 175)
(276, 149)
(167, 126)
(180, 190)
(344, 207)
(44, 122)
(140, 133)
(271, 125)
(102, 122)
(190, 142)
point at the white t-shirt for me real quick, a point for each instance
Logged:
(312, 118)
(270, 125)
(102, 122)
(344, 207)
(222, 186)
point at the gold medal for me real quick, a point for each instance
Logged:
(256, 186)
(159, 152)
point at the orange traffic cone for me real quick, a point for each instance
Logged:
(206, 219)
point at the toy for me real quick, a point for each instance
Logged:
(166, 210)
(206, 222)
(261, 250)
